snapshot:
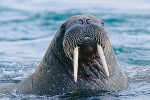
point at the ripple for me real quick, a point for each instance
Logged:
(21, 39)
(27, 27)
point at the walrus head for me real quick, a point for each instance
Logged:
(86, 43)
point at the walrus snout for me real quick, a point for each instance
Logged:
(87, 50)
(86, 53)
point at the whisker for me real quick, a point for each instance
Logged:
(74, 37)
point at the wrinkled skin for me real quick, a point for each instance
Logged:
(54, 74)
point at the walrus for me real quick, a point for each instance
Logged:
(79, 57)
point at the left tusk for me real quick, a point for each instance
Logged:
(102, 57)
(75, 63)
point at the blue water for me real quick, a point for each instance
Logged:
(27, 27)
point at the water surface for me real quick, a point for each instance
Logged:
(27, 27)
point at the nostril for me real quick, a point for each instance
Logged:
(88, 21)
(81, 21)
(84, 21)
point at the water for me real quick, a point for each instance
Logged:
(27, 27)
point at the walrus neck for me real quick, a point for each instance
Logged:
(55, 55)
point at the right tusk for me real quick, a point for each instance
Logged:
(75, 63)
(102, 57)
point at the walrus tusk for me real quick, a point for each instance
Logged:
(102, 57)
(75, 63)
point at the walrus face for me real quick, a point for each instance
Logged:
(86, 43)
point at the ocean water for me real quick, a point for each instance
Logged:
(27, 27)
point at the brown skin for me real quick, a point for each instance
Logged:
(54, 74)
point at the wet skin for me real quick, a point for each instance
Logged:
(55, 73)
